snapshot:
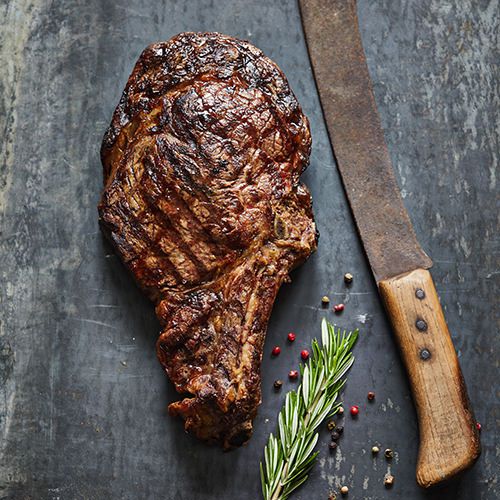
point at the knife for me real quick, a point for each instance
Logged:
(449, 440)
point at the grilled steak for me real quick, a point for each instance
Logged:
(202, 202)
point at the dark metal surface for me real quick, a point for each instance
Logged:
(353, 123)
(82, 396)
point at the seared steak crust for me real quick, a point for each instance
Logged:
(202, 202)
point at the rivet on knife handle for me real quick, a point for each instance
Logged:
(448, 437)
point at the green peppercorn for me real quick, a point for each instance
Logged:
(325, 301)
(330, 425)
(375, 449)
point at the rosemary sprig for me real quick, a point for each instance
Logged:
(289, 456)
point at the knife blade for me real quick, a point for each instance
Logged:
(449, 441)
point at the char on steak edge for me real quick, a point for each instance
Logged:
(203, 204)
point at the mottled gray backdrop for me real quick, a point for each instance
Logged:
(82, 397)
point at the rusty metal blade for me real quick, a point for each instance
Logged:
(346, 94)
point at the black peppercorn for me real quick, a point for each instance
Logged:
(278, 384)
(388, 453)
(335, 436)
(333, 445)
(340, 429)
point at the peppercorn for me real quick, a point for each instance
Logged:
(388, 454)
(304, 354)
(276, 351)
(388, 481)
(332, 496)
(330, 425)
(338, 308)
(340, 429)
(291, 337)
(335, 436)
(375, 449)
(478, 426)
(341, 410)
(277, 384)
(354, 411)
(333, 445)
(348, 277)
(344, 490)
(371, 396)
(293, 374)
(325, 301)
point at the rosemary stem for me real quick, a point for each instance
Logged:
(277, 492)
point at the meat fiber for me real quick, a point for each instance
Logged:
(202, 202)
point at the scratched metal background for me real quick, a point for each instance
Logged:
(82, 397)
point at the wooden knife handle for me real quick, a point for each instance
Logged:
(449, 440)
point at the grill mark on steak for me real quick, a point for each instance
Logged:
(206, 213)
(202, 201)
(170, 233)
(188, 245)
(150, 248)
(181, 207)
